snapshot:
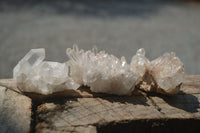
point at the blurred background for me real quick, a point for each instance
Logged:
(118, 26)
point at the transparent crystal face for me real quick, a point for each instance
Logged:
(139, 63)
(33, 58)
(100, 71)
(167, 70)
(53, 72)
(32, 74)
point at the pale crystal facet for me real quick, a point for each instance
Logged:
(101, 72)
(32, 74)
(162, 75)
(27, 64)
(168, 72)
(139, 63)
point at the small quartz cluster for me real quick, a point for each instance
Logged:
(102, 72)
(163, 75)
(32, 74)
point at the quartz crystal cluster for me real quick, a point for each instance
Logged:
(162, 75)
(32, 74)
(139, 63)
(101, 72)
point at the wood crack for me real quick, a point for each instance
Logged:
(33, 116)
(155, 105)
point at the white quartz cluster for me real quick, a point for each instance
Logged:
(162, 75)
(139, 63)
(101, 72)
(32, 74)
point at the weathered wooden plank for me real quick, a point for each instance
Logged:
(93, 111)
(15, 112)
(102, 110)
(82, 92)
(184, 106)
(192, 80)
(81, 110)
(191, 85)
(73, 129)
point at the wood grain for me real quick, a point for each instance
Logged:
(84, 111)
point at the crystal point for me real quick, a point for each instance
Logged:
(33, 58)
(168, 72)
(32, 74)
(139, 63)
(101, 72)
(162, 75)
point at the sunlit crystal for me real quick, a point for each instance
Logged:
(32, 74)
(31, 60)
(101, 72)
(168, 72)
(162, 75)
(139, 63)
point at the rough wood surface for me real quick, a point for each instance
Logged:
(83, 111)
(15, 112)
(104, 109)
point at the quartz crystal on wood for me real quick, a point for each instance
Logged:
(162, 75)
(32, 74)
(101, 72)
(168, 72)
(139, 63)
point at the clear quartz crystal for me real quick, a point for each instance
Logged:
(139, 63)
(32, 59)
(101, 72)
(32, 74)
(167, 72)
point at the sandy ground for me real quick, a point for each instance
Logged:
(119, 27)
